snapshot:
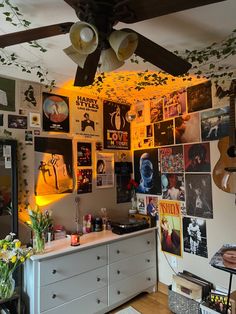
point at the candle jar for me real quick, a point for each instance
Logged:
(75, 239)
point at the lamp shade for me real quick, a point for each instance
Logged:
(84, 37)
(108, 61)
(123, 43)
(75, 56)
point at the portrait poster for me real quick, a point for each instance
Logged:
(146, 170)
(53, 166)
(199, 195)
(175, 104)
(116, 128)
(7, 94)
(187, 128)
(225, 258)
(195, 236)
(34, 120)
(30, 95)
(164, 133)
(172, 159)
(156, 110)
(17, 122)
(87, 121)
(173, 187)
(84, 154)
(152, 206)
(197, 157)
(199, 97)
(170, 227)
(104, 170)
(84, 181)
(56, 113)
(123, 195)
(215, 124)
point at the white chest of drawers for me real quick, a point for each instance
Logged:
(104, 272)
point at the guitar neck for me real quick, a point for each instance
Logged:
(232, 101)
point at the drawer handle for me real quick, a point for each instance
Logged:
(54, 296)
(148, 242)
(118, 291)
(98, 258)
(98, 301)
(148, 278)
(118, 272)
(54, 271)
(148, 260)
(98, 279)
(118, 251)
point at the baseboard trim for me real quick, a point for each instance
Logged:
(162, 287)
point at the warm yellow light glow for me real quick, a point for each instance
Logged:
(48, 199)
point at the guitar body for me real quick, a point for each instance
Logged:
(224, 173)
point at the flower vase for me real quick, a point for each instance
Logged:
(133, 209)
(39, 242)
(7, 286)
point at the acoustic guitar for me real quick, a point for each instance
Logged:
(224, 173)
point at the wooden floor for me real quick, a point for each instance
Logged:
(145, 303)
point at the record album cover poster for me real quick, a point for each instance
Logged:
(17, 122)
(146, 170)
(172, 159)
(84, 154)
(195, 236)
(175, 104)
(53, 166)
(156, 110)
(173, 187)
(84, 181)
(87, 121)
(30, 95)
(199, 195)
(225, 258)
(215, 124)
(199, 97)
(123, 195)
(164, 133)
(7, 94)
(170, 227)
(187, 128)
(116, 127)
(197, 157)
(55, 113)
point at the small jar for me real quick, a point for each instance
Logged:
(75, 239)
(97, 224)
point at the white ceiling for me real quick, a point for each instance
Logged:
(189, 29)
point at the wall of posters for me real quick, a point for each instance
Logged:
(84, 181)
(116, 129)
(170, 226)
(53, 166)
(104, 170)
(88, 117)
(84, 154)
(55, 113)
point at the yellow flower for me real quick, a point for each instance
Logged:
(5, 247)
(22, 259)
(13, 259)
(17, 244)
(28, 254)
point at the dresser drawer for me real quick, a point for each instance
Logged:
(130, 286)
(66, 290)
(133, 246)
(66, 266)
(92, 303)
(131, 266)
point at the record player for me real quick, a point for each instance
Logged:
(128, 225)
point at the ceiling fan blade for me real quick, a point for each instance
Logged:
(72, 3)
(160, 57)
(85, 76)
(140, 10)
(34, 34)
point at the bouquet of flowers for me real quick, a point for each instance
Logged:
(12, 255)
(132, 185)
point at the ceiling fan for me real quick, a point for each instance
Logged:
(94, 41)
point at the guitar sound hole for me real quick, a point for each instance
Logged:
(231, 151)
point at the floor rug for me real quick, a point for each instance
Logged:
(128, 310)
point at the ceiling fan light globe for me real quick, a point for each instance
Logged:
(123, 43)
(86, 34)
(109, 61)
(75, 56)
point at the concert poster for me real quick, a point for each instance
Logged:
(199, 97)
(187, 128)
(170, 227)
(197, 157)
(116, 127)
(84, 154)
(84, 181)
(175, 104)
(164, 133)
(7, 94)
(172, 159)
(53, 166)
(195, 236)
(156, 110)
(30, 95)
(146, 170)
(87, 121)
(55, 113)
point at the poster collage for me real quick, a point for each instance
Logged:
(172, 164)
